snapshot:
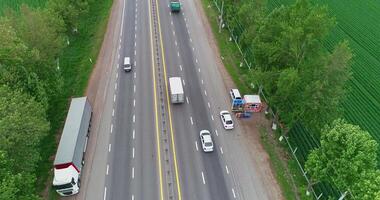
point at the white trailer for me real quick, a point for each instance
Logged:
(69, 159)
(176, 90)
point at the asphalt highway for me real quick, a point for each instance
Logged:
(148, 148)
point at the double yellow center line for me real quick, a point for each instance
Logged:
(168, 104)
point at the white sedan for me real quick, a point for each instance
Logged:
(226, 119)
(206, 141)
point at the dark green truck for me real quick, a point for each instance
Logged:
(175, 5)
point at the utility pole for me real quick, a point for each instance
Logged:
(221, 18)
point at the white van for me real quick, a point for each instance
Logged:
(235, 94)
(127, 64)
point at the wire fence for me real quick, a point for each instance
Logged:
(299, 139)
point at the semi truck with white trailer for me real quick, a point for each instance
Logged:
(176, 90)
(69, 159)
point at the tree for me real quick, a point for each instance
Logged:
(68, 10)
(18, 78)
(40, 31)
(15, 186)
(347, 157)
(13, 50)
(22, 126)
(325, 87)
(290, 35)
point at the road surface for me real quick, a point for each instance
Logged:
(142, 146)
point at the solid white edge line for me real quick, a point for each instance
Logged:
(203, 178)
(122, 19)
(196, 145)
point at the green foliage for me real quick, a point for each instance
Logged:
(15, 4)
(68, 10)
(22, 126)
(31, 41)
(305, 83)
(15, 185)
(288, 36)
(348, 157)
(40, 31)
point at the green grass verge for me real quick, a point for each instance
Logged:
(228, 50)
(15, 4)
(75, 68)
(231, 60)
(280, 169)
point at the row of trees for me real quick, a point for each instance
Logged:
(31, 41)
(306, 84)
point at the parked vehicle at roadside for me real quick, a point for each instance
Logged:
(226, 118)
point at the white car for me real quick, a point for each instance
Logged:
(206, 141)
(226, 119)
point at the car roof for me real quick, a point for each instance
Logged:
(207, 138)
(227, 116)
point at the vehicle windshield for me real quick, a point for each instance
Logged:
(204, 134)
(64, 186)
(208, 144)
(229, 122)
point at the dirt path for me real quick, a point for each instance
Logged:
(251, 135)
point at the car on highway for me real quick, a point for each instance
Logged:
(127, 64)
(235, 94)
(206, 141)
(226, 120)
